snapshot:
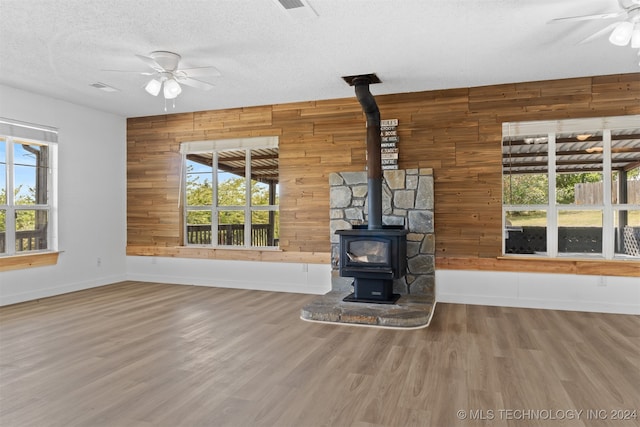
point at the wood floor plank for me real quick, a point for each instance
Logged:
(153, 354)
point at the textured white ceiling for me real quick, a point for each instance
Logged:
(267, 56)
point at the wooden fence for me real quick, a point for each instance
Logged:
(590, 193)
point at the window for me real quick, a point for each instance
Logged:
(231, 192)
(28, 155)
(572, 188)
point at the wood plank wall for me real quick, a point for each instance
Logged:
(456, 132)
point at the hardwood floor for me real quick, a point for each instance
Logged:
(150, 354)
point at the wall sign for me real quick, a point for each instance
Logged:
(389, 145)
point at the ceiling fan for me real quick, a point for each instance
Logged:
(622, 32)
(167, 75)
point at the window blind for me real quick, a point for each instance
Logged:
(18, 129)
(229, 144)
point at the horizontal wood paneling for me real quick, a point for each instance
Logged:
(456, 132)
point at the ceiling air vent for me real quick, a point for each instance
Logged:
(291, 4)
(297, 8)
(103, 87)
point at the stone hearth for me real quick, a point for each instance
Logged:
(407, 199)
(410, 311)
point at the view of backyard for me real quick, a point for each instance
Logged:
(230, 208)
(577, 190)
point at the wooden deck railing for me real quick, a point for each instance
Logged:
(231, 235)
(30, 240)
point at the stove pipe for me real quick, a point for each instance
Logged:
(374, 140)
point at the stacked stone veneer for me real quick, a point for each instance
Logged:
(407, 199)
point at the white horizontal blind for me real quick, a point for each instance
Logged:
(569, 125)
(229, 144)
(18, 129)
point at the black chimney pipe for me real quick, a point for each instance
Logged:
(374, 140)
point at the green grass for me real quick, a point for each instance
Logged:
(566, 219)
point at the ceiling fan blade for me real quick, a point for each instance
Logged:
(589, 17)
(599, 33)
(151, 63)
(198, 84)
(201, 71)
(142, 73)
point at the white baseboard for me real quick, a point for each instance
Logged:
(604, 294)
(264, 276)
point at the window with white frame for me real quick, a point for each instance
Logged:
(231, 192)
(571, 188)
(28, 158)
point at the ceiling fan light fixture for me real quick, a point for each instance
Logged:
(153, 87)
(171, 89)
(621, 35)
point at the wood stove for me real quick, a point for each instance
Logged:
(374, 258)
(374, 254)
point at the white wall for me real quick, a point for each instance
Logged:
(91, 197)
(604, 294)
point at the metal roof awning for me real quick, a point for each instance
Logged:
(264, 163)
(575, 152)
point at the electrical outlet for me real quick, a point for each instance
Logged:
(602, 281)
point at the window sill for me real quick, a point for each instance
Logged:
(568, 257)
(234, 248)
(237, 254)
(19, 262)
(539, 264)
